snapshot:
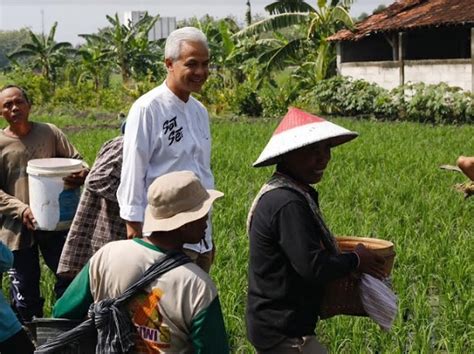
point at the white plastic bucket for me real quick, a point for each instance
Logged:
(52, 203)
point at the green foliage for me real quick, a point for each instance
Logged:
(277, 97)
(384, 184)
(119, 64)
(39, 88)
(79, 96)
(127, 47)
(11, 41)
(305, 30)
(437, 103)
(245, 101)
(83, 97)
(413, 102)
(93, 64)
(46, 54)
(139, 87)
(215, 95)
(340, 95)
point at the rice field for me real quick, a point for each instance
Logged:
(385, 184)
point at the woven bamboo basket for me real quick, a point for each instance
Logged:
(381, 247)
(342, 296)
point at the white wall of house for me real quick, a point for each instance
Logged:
(384, 74)
(454, 72)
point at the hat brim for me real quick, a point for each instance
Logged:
(276, 147)
(151, 224)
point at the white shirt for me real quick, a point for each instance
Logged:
(163, 134)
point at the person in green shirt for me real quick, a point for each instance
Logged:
(178, 312)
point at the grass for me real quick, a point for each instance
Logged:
(385, 184)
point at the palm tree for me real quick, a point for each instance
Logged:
(46, 54)
(305, 29)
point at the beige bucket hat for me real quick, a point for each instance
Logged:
(298, 129)
(175, 199)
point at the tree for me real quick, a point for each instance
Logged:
(11, 41)
(94, 63)
(362, 16)
(305, 29)
(46, 54)
(127, 46)
(379, 8)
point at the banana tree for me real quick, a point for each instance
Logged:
(306, 29)
(44, 52)
(127, 47)
(94, 64)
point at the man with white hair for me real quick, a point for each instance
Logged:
(168, 130)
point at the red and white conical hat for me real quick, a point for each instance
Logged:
(298, 129)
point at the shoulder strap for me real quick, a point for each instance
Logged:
(115, 330)
(279, 180)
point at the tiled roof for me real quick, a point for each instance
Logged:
(410, 14)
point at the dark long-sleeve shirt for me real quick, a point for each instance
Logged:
(288, 268)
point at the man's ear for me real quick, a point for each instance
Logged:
(169, 64)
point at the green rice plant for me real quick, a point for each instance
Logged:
(384, 184)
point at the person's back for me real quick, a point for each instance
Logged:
(180, 310)
(165, 313)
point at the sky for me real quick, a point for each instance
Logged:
(86, 16)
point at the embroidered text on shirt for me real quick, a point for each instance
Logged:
(175, 133)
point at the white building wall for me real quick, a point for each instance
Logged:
(163, 27)
(454, 72)
(132, 17)
(384, 74)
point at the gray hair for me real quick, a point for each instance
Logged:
(177, 37)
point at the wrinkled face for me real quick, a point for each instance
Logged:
(15, 108)
(307, 164)
(195, 231)
(190, 71)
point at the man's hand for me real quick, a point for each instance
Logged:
(28, 219)
(466, 164)
(370, 262)
(134, 229)
(77, 179)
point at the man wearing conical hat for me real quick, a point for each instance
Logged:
(293, 255)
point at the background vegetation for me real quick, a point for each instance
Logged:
(385, 184)
(258, 70)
